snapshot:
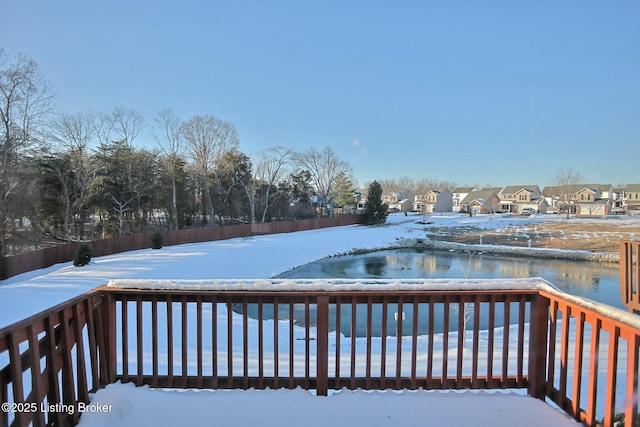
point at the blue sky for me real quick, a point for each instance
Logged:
(477, 92)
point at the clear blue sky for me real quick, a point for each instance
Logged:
(485, 92)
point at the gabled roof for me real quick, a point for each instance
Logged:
(633, 188)
(463, 189)
(481, 196)
(554, 190)
(513, 189)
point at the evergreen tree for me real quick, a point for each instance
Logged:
(343, 190)
(375, 211)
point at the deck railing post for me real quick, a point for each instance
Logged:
(625, 282)
(110, 333)
(322, 346)
(538, 347)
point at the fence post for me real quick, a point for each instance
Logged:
(538, 347)
(322, 346)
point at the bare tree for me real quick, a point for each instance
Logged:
(269, 170)
(169, 138)
(25, 100)
(207, 138)
(325, 167)
(567, 181)
(69, 136)
(126, 124)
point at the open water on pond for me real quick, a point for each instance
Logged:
(598, 282)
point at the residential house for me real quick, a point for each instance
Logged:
(618, 200)
(580, 199)
(361, 201)
(399, 201)
(459, 193)
(594, 200)
(436, 200)
(632, 199)
(515, 198)
(483, 201)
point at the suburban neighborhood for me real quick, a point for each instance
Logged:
(581, 200)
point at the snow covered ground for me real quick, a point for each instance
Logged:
(131, 406)
(261, 257)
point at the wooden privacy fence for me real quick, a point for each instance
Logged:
(17, 264)
(321, 336)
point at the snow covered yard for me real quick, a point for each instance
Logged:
(265, 256)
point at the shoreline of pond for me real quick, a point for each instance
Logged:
(543, 253)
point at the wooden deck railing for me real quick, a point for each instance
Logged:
(580, 355)
(630, 274)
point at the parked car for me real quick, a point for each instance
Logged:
(527, 211)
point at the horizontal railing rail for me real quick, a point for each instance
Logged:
(324, 336)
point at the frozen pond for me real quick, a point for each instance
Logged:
(598, 282)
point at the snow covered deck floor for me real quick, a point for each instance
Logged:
(136, 406)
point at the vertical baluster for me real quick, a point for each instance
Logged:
(185, 344)
(229, 342)
(276, 346)
(553, 327)
(338, 354)
(521, 322)
(462, 308)
(260, 343)
(125, 339)
(414, 344)
(383, 350)
(491, 326)
(352, 374)
(322, 343)
(430, 351)
(199, 357)
(505, 342)
(154, 340)
(368, 338)
(564, 353)
(214, 341)
(169, 342)
(631, 406)
(139, 346)
(445, 343)
(291, 346)
(399, 333)
(612, 375)
(245, 343)
(476, 337)
(594, 351)
(307, 338)
(577, 364)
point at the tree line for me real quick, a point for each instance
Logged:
(81, 176)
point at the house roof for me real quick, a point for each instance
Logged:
(481, 196)
(512, 189)
(463, 189)
(634, 188)
(554, 190)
